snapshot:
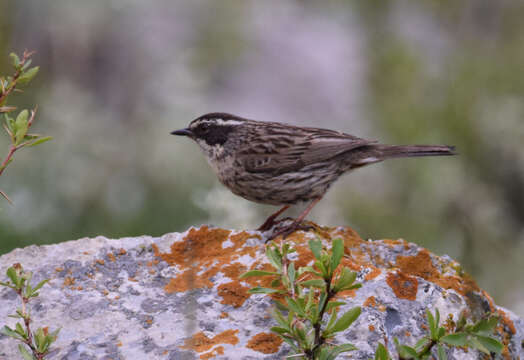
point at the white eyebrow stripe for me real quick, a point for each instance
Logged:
(219, 121)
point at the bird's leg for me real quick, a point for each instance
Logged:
(297, 224)
(270, 221)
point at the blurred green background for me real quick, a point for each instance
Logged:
(117, 76)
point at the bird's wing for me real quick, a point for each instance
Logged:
(292, 151)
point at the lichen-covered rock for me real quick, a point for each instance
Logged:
(179, 296)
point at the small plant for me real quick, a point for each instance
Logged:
(17, 127)
(476, 336)
(382, 353)
(39, 341)
(308, 293)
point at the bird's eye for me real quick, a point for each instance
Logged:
(204, 128)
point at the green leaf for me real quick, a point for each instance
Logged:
(407, 352)
(291, 273)
(431, 325)
(300, 331)
(291, 342)
(441, 353)
(318, 283)
(274, 258)
(422, 343)
(456, 339)
(382, 353)
(13, 276)
(15, 60)
(485, 326)
(476, 344)
(279, 330)
(41, 140)
(21, 126)
(263, 290)
(337, 250)
(330, 323)
(322, 268)
(256, 273)
(335, 351)
(25, 353)
(461, 322)
(295, 306)
(20, 330)
(40, 284)
(316, 248)
(493, 345)
(28, 75)
(39, 339)
(334, 304)
(321, 301)
(345, 320)
(281, 320)
(308, 269)
(275, 283)
(281, 306)
(6, 330)
(345, 280)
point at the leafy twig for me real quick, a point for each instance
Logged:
(18, 128)
(308, 294)
(40, 340)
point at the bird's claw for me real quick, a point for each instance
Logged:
(290, 229)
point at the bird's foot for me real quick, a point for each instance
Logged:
(270, 221)
(290, 229)
(268, 224)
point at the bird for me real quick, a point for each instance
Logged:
(281, 164)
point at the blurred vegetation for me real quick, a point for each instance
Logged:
(119, 76)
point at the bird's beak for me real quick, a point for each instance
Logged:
(183, 132)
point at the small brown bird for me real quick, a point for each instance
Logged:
(281, 164)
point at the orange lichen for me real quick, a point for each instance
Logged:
(507, 321)
(370, 302)
(392, 242)
(421, 265)
(234, 270)
(375, 271)
(265, 343)
(404, 286)
(111, 257)
(69, 281)
(202, 254)
(200, 245)
(223, 315)
(371, 327)
(219, 350)
(233, 293)
(122, 251)
(200, 342)
(189, 280)
(347, 293)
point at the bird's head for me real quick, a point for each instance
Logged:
(213, 132)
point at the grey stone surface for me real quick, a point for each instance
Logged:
(146, 298)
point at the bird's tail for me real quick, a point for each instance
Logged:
(399, 151)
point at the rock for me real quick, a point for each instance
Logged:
(179, 297)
